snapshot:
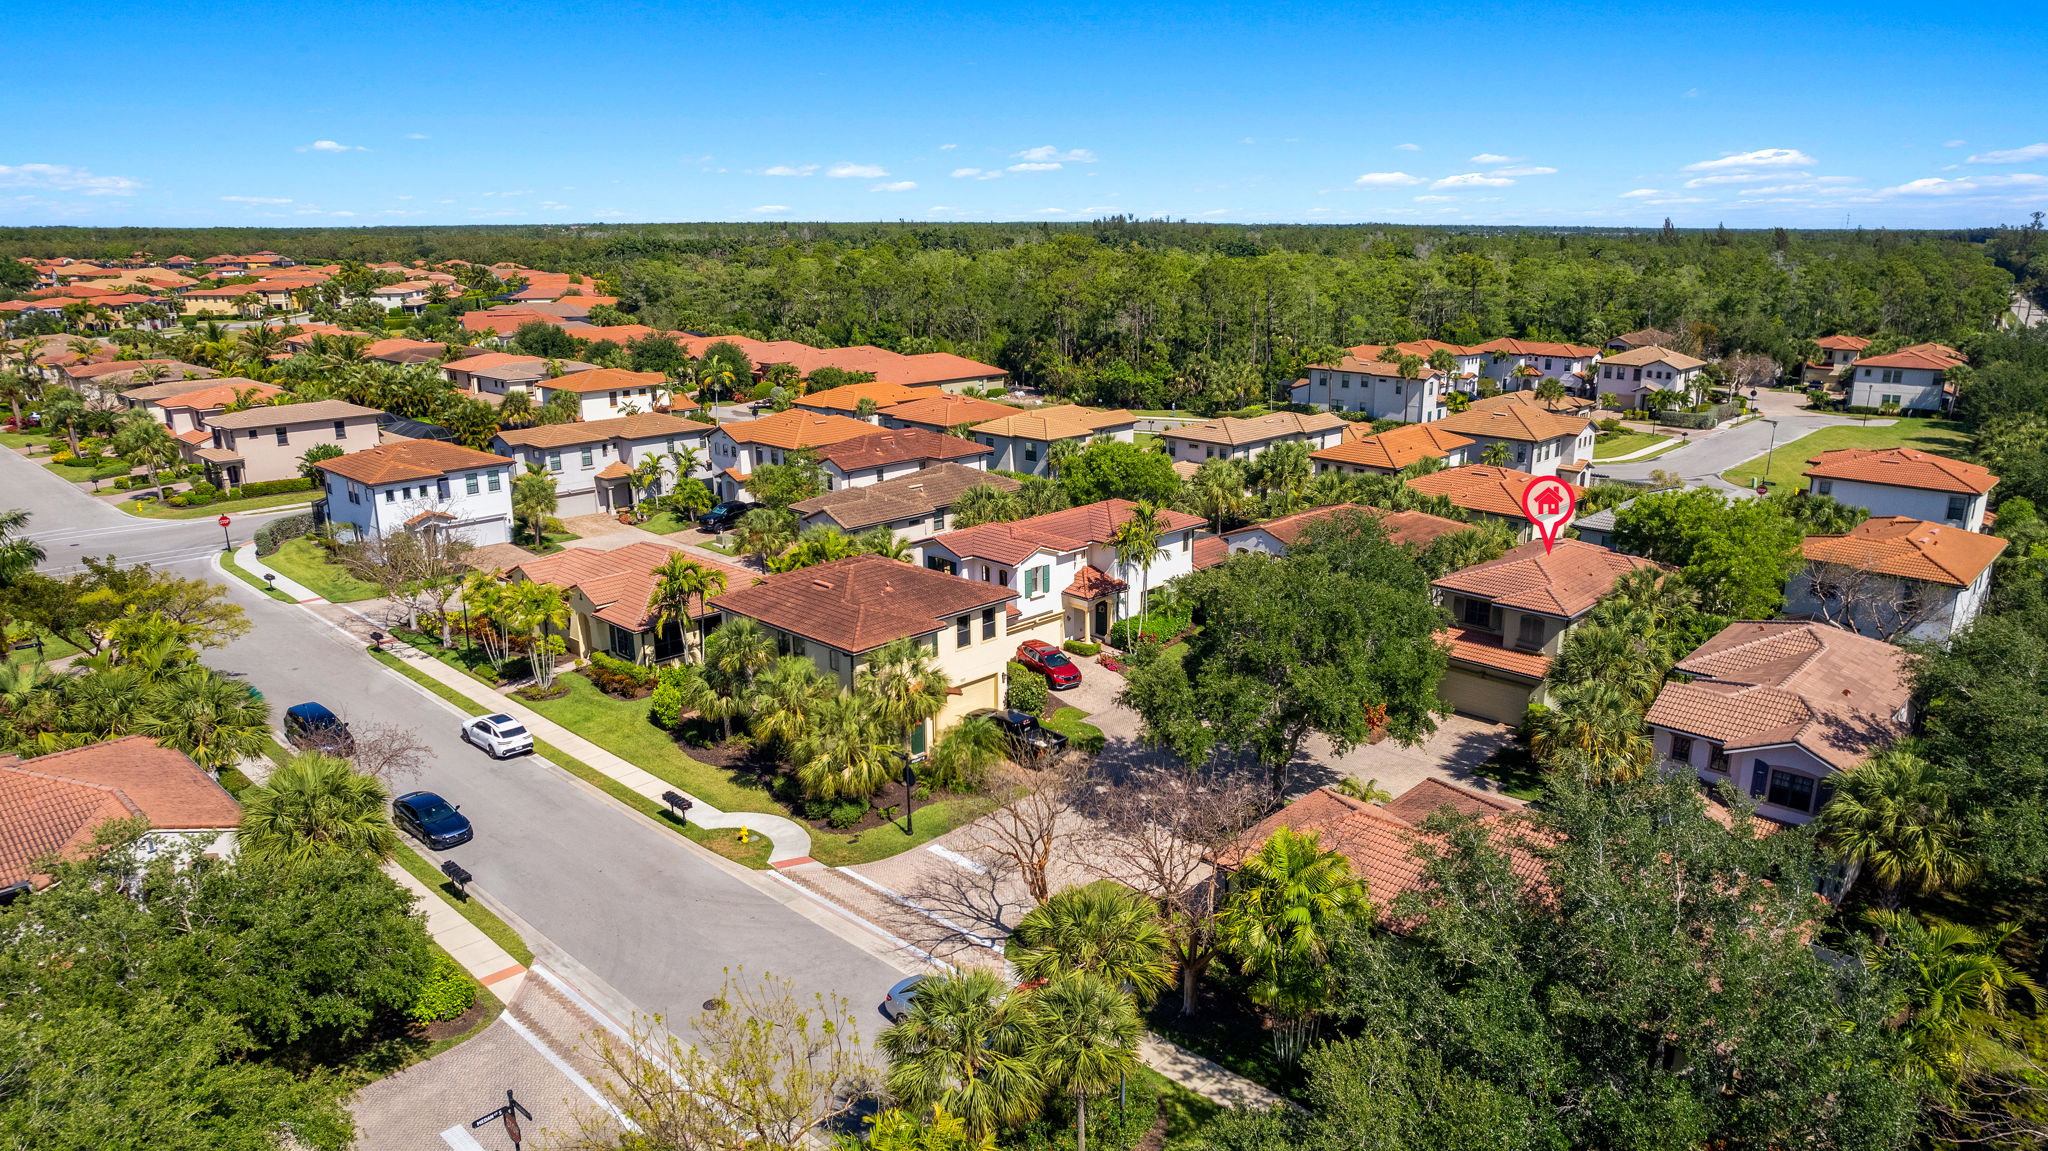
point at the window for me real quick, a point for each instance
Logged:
(1003, 577)
(1531, 632)
(492, 481)
(1031, 453)
(282, 437)
(938, 521)
(963, 631)
(1187, 542)
(1478, 612)
(390, 495)
(586, 459)
(469, 483)
(554, 461)
(612, 398)
(1827, 486)
(1782, 788)
(341, 429)
(1717, 758)
(1958, 507)
(622, 642)
(988, 623)
(1681, 748)
(1888, 399)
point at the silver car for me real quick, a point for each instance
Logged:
(900, 996)
(498, 736)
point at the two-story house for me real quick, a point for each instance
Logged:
(913, 507)
(1231, 438)
(739, 447)
(1384, 453)
(1914, 379)
(836, 614)
(606, 392)
(53, 805)
(1641, 338)
(1518, 365)
(410, 296)
(942, 412)
(498, 373)
(1626, 380)
(1485, 492)
(1023, 438)
(1063, 566)
(609, 591)
(267, 443)
(594, 463)
(1837, 354)
(411, 485)
(1777, 708)
(399, 350)
(1533, 439)
(1377, 387)
(186, 407)
(1509, 617)
(1895, 578)
(1904, 482)
(886, 455)
(846, 399)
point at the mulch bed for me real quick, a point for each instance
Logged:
(461, 1024)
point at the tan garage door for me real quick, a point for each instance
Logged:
(1492, 699)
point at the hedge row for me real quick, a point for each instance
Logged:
(277, 533)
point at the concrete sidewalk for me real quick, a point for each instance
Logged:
(245, 558)
(492, 965)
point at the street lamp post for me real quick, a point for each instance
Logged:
(1763, 485)
(909, 798)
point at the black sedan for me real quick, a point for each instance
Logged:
(431, 819)
(723, 515)
(1029, 739)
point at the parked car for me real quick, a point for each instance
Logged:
(497, 736)
(431, 819)
(1050, 662)
(311, 727)
(723, 515)
(900, 996)
(1029, 739)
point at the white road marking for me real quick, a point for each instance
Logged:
(951, 856)
(934, 916)
(562, 1065)
(459, 1138)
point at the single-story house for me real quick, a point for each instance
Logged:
(609, 590)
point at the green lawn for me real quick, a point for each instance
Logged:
(22, 439)
(620, 726)
(553, 542)
(54, 648)
(1612, 444)
(105, 469)
(1185, 1111)
(721, 549)
(840, 849)
(481, 917)
(303, 560)
(250, 578)
(664, 523)
(1789, 459)
(161, 511)
(1073, 723)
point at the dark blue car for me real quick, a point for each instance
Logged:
(431, 819)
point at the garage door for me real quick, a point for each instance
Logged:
(1490, 699)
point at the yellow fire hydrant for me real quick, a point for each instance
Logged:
(745, 834)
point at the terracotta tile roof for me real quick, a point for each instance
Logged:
(621, 334)
(1471, 645)
(1566, 582)
(1092, 582)
(104, 368)
(847, 397)
(313, 411)
(610, 380)
(1513, 421)
(1395, 448)
(1770, 683)
(483, 360)
(918, 494)
(861, 602)
(1372, 365)
(1423, 348)
(796, 428)
(1210, 551)
(640, 426)
(1653, 354)
(220, 393)
(616, 470)
(1910, 549)
(217, 455)
(408, 460)
(1414, 529)
(1902, 467)
(1513, 347)
(1842, 343)
(1480, 488)
(1061, 531)
(406, 351)
(946, 410)
(505, 321)
(1932, 357)
(428, 514)
(1061, 422)
(1433, 795)
(618, 582)
(154, 393)
(1643, 337)
(52, 803)
(1231, 430)
(196, 436)
(898, 445)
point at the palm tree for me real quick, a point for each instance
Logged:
(961, 1046)
(1102, 929)
(685, 460)
(1287, 903)
(848, 751)
(1957, 990)
(646, 478)
(142, 440)
(1495, 454)
(533, 501)
(316, 805)
(966, 753)
(1137, 541)
(1218, 489)
(678, 582)
(733, 655)
(516, 409)
(17, 390)
(18, 554)
(786, 698)
(543, 609)
(63, 408)
(1894, 816)
(815, 546)
(882, 541)
(1623, 658)
(1058, 453)
(764, 532)
(1551, 390)
(904, 679)
(1457, 402)
(1084, 1038)
(985, 504)
(1594, 730)
(216, 720)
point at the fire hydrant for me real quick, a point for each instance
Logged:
(745, 834)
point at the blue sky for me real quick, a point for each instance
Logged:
(436, 113)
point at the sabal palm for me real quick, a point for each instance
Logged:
(764, 532)
(963, 757)
(903, 678)
(315, 806)
(516, 409)
(1218, 489)
(1895, 815)
(1102, 929)
(733, 655)
(1287, 903)
(18, 554)
(961, 1046)
(215, 720)
(885, 543)
(847, 751)
(1594, 730)
(1622, 658)
(1084, 1038)
(985, 504)
(786, 698)
(1495, 455)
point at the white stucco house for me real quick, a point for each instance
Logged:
(1536, 440)
(411, 485)
(1914, 378)
(1022, 441)
(1231, 438)
(593, 463)
(607, 392)
(1904, 482)
(1626, 380)
(1377, 388)
(1895, 578)
(1519, 364)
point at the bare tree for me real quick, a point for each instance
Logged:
(1028, 831)
(1871, 603)
(390, 753)
(769, 1069)
(1162, 829)
(418, 571)
(1749, 370)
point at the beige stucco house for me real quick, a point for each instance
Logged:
(267, 443)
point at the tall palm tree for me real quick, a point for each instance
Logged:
(1594, 730)
(316, 805)
(17, 390)
(679, 582)
(533, 501)
(734, 654)
(786, 699)
(516, 409)
(1551, 390)
(1495, 454)
(685, 461)
(1084, 1039)
(1102, 929)
(216, 720)
(1287, 903)
(18, 554)
(543, 608)
(1894, 815)
(1136, 541)
(142, 440)
(848, 751)
(1958, 992)
(1218, 488)
(961, 1046)
(904, 679)
(63, 408)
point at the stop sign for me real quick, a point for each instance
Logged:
(223, 521)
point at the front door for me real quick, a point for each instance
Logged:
(1102, 617)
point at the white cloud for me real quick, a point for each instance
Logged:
(2012, 155)
(1472, 180)
(1953, 143)
(845, 171)
(963, 173)
(1525, 170)
(1762, 158)
(1386, 180)
(1689, 94)
(764, 209)
(64, 178)
(1407, 147)
(1962, 185)
(946, 148)
(1642, 193)
(1034, 167)
(1049, 212)
(1491, 158)
(416, 136)
(331, 146)
(1210, 212)
(1743, 178)
(1434, 199)
(898, 186)
(790, 170)
(255, 200)
(1048, 152)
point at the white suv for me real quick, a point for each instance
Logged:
(498, 735)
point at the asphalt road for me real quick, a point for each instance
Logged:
(645, 920)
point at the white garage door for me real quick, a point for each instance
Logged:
(1490, 699)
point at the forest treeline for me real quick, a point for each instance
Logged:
(1152, 313)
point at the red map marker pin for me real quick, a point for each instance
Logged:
(1549, 503)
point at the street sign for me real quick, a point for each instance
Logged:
(223, 521)
(510, 1113)
(1549, 503)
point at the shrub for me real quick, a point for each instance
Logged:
(1081, 647)
(62, 457)
(1611, 425)
(1027, 691)
(996, 392)
(615, 676)
(275, 487)
(1110, 1128)
(665, 706)
(447, 993)
(277, 533)
(846, 813)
